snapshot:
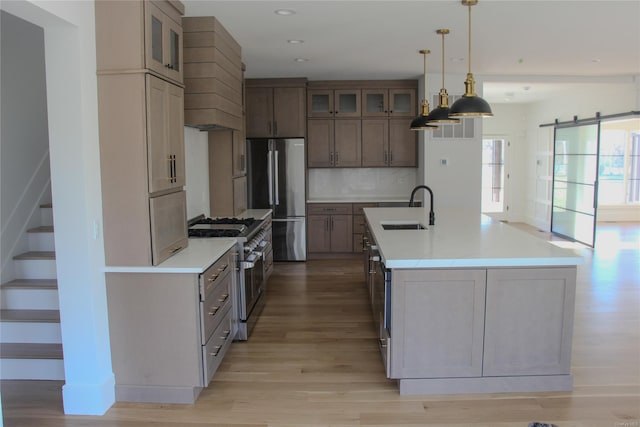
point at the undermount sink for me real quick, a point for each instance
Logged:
(402, 226)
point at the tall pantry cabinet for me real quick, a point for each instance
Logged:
(141, 123)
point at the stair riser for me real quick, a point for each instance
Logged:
(46, 216)
(31, 369)
(30, 332)
(41, 241)
(35, 269)
(30, 299)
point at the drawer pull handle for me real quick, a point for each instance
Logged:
(214, 310)
(217, 350)
(213, 278)
(224, 298)
(226, 335)
(383, 343)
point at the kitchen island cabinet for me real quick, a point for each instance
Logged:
(470, 305)
(171, 325)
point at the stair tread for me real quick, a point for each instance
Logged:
(36, 255)
(31, 284)
(46, 205)
(39, 316)
(41, 229)
(30, 351)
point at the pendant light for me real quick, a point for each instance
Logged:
(421, 121)
(470, 104)
(441, 113)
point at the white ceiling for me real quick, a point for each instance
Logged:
(524, 50)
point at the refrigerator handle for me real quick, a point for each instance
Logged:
(276, 173)
(270, 176)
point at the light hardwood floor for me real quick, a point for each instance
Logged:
(312, 361)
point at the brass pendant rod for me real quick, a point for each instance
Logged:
(469, 37)
(443, 33)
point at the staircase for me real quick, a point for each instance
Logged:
(30, 339)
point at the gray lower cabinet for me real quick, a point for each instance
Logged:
(170, 331)
(529, 321)
(437, 322)
(482, 330)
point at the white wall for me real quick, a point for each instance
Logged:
(24, 146)
(70, 58)
(196, 148)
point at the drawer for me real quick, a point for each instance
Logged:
(329, 209)
(215, 349)
(357, 242)
(214, 274)
(215, 305)
(359, 224)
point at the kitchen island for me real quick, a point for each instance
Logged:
(470, 304)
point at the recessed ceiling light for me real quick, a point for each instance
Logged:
(301, 59)
(285, 12)
(596, 60)
(456, 59)
(295, 41)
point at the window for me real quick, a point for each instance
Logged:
(493, 175)
(619, 163)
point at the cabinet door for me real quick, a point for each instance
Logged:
(165, 134)
(159, 160)
(529, 321)
(173, 50)
(318, 233)
(320, 143)
(341, 229)
(320, 103)
(375, 103)
(163, 49)
(259, 107)
(348, 143)
(375, 142)
(402, 103)
(347, 103)
(437, 323)
(168, 225)
(289, 112)
(175, 133)
(239, 154)
(403, 146)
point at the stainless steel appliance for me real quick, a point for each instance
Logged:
(253, 262)
(381, 304)
(276, 181)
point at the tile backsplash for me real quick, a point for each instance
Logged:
(361, 183)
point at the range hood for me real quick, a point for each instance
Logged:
(213, 74)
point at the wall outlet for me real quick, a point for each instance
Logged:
(444, 162)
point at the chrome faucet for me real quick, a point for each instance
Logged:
(432, 216)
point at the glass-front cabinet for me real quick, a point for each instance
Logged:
(164, 36)
(333, 103)
(388, 103)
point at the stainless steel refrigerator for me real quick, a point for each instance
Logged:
(276, 180)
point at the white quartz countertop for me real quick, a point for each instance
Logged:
(460, 240)
(195, 258)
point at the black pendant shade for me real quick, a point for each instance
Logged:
(470, 106)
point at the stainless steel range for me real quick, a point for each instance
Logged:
(254, 261)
